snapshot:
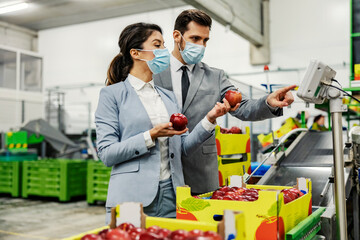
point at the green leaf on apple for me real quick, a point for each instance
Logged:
(194, 204)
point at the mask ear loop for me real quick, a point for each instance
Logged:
(182, 38)
(144, 51)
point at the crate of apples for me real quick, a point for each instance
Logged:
(251, 194)
(127, 231)
(232, 130)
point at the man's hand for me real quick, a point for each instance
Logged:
(219, 110)
(281, 98)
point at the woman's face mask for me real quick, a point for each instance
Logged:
(160, 62)
(192, 53)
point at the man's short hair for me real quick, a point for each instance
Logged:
(196, 15)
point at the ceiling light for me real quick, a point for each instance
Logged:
(13, 7)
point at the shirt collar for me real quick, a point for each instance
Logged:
(137, 83)
(176, 64)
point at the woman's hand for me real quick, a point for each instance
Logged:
(165, 130)
(219, 110)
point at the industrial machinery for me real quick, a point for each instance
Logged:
(320, 156)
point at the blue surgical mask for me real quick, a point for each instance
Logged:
(160, 62)
(192, 53)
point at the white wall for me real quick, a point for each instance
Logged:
(300, 31)
(18, 37)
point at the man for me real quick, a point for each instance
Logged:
(198, 87)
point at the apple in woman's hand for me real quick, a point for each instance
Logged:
(179, 121)
(233, 97)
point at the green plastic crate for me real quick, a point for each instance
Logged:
(62, 178)
(10, 173)
(98, 176)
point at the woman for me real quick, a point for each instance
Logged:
(319, 123)
(134, 135)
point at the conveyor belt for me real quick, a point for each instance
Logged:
(311, 157)
(314, 150)
(286, 176)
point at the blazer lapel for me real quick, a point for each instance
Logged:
(136, 103)
(170, 105)
(194, 85)
(163, 79)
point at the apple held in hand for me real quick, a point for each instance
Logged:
(233, 97)
(179, 121)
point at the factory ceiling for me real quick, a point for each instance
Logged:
(44, 14)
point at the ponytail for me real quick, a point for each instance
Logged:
(118, 70)
(132, 37)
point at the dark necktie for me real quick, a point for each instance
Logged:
(185, 83)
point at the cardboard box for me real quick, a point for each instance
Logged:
(233, 223)
(234, 156)
(229, 144)
(265, 218)
(79, 236)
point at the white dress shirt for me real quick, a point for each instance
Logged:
(157, 113)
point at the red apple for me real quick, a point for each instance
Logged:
(212, 235)
(199, 238)
(230, 194)
(233, 97)
(235, 130)
(126, 226)
(296, 191)
(163, 232)
(135, 232)
(91, 237)
(179, 235)
(196, 232)
(149, 236)
(224, 130)
(226, 189)
(103, 233)
(117, 234)
(153, 229)
(287, 199)
(179, 121)
(218, 193)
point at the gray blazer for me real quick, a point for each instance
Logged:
(121, 120)
(207, 87)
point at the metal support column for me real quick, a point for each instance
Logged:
(336, 109)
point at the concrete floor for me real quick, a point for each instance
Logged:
(46, 218)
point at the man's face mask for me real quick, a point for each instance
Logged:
(192, 53)
(160, 62)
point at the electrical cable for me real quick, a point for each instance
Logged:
(334, 80)
(345, 93)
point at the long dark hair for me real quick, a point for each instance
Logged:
(133, 36)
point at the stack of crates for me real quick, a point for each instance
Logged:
(98, 176)
(61, 178)
(234, 157)
(11, 172)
